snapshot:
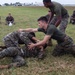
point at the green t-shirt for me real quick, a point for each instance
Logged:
(54, 33)
(58, 10)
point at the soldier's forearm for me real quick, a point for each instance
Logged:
(35, 39)
(4, 66)
(27, 30)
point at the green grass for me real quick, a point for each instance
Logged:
(26, 17)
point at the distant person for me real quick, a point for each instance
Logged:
(9, 19)
(60, 12)
(72, 18)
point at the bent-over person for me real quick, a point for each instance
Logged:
(13, 49)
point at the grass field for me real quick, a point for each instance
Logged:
(26, 17)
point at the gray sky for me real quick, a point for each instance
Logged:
(38, 1)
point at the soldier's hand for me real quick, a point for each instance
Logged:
(20, 30)
(31, 46)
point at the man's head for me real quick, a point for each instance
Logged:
(31, 35)
(47, 3)
(42, 22)
(9, 14)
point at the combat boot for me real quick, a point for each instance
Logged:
(41, 55)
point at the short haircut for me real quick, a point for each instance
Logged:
(43, 18)
(46, 1)
(32, 33)
(9, 13)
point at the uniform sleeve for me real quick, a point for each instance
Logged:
(50, 30)
(40, 30)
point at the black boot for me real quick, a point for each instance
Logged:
(41, 55)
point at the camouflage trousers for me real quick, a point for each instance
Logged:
(63, 23)
(66, 47)
(13, 41)
(17, 55)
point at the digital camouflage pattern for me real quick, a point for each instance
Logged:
(65, 47)
(63, 23)
(12, 41)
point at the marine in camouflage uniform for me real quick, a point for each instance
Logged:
(12, 42)
(61, 14)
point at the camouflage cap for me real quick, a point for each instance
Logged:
(46, 1)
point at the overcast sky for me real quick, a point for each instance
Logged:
(38, 1)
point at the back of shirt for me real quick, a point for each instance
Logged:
(58, 10)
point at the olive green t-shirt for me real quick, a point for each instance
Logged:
(58, 10)
(54, 33)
